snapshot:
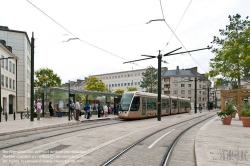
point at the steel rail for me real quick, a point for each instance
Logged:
(166, 157)
(115, 157)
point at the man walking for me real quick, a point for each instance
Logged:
(38, 109)
(77, 109)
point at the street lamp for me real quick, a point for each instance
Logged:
(1, 85)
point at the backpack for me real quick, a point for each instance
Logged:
(72, 106)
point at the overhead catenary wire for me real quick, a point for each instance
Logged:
(78, 37)
(173, 33)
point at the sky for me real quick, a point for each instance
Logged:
(112, 32)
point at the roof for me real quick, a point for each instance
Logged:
(77, 91)
(188, 73)
(9, 30)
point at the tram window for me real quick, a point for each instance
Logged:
(174, 104)
(151, 103)
(135, 104)
(125, 102)
(164, 104)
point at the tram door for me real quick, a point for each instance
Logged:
(144, 106)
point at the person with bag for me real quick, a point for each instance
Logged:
(72, 110)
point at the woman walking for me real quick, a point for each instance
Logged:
(51, 110)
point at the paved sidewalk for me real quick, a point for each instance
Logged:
(223, 145)
(21, 125)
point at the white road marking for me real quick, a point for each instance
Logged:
(159, 139)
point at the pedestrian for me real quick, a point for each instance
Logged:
(38, 109)
(200, 108)
(105, 109)
(87, 110)
(77, 109)
(51, 110)
(72, 110)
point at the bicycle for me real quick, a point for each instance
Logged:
(26, 114)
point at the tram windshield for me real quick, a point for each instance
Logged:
(125, 102)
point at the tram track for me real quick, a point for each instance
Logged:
(52, 135)
(166, 156)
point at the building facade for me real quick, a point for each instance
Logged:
(21, 48)
(181, 83)
(8, 79)
(123, 80)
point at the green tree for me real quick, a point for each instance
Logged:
(132, 88)
(95, 84)
(47, 78)
(232, 57)
(119, 91)
(149, 79)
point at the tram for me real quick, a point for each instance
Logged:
(137, 105)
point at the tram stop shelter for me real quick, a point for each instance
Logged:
(238, 93)
(63, 96)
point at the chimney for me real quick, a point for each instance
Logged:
(177, 70)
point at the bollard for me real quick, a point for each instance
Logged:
(21, 115)
(14, 115)
(6, 116)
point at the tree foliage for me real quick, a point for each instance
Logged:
(119, 91)
(132, 88)
(232, 57)
(47, 78)
(149, 79)
(95, 84)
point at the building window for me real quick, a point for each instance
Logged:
(10, 83)
(121, 84)
(118, 76)
(125, 84)
(175, 85)
(175, 91)
(124, 75)
(189, 91)
(182, 91)
(112, 85)
(13, 84)
(118, 85)
(182, 85)
(6, 64)
(131, 75)
(128, 84)
(189, 85)
(182, 78)
(6, 82)
(10, 66)
(135, 83)
(138, 74)
(189, 98)
(200, 92)
(106, 78)
(121, 76)
(115, 76)
(175, 78)
(2, 61)
(115, 85)
(2, 80)
(14, 68)
(128, 75)
(139, 82)
(109, 77)
(112, 77)
(135, 74)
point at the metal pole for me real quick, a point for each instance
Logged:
(195, 95)
(16, 94)
(32, 79)
(159, 86)
(208, 105)
(69, 100)
(43, 103)
(1, 90)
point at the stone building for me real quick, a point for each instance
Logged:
(8, 78)
(21, 48)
